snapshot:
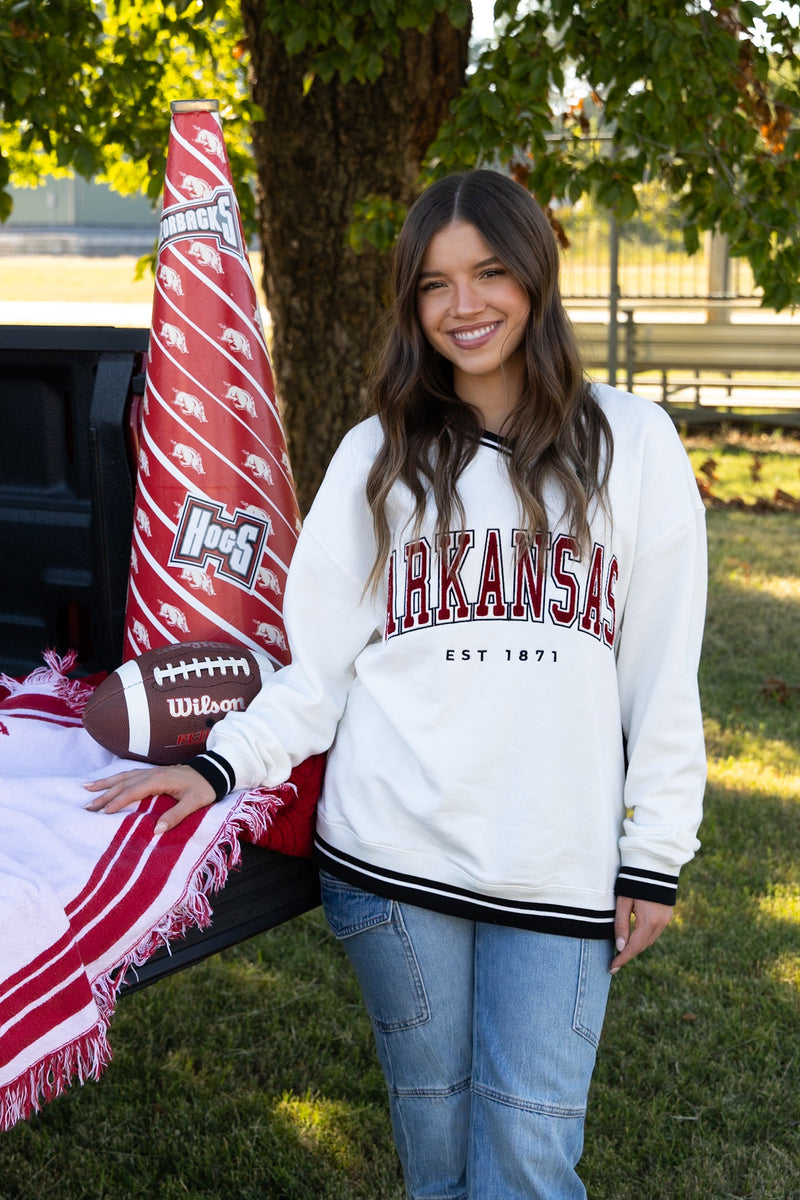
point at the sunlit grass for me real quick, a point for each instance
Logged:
(782, 904)
(765, 768)
(748, 467)
(72, 278)
(786, 969)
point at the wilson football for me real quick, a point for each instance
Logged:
(160, 707)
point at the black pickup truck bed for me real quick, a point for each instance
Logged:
(66, 511)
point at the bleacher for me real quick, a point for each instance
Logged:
(740, 369)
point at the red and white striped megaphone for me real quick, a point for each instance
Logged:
(216, 517)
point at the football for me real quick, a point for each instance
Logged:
(160, 707)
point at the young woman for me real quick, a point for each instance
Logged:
(495, 613)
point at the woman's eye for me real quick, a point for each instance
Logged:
(429, 287)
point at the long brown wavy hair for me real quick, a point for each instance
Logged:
(557, 433)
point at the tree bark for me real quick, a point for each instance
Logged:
(316, 155)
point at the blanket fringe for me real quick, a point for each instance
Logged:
(253, 816)
(83, 1059)
(87, 1056)
(51, 680)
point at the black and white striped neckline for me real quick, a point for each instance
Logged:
(494, 441)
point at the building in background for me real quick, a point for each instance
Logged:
(72, 216)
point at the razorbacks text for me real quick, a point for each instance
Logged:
(213, 215)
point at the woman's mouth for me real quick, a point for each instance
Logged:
(473, 336)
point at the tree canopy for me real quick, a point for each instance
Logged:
(700, 95)
(344, 108)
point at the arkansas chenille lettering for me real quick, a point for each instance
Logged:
(548, 581)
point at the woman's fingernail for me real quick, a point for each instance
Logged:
(161, 827)
(620, 943)
(615, 971)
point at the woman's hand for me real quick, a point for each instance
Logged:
(638, 923)
(189, 788)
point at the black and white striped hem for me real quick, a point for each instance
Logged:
(460, 902)
(639, 884)
(215, 770)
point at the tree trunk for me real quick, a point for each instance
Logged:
(316, 155)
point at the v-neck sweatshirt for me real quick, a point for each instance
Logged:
(514, 729)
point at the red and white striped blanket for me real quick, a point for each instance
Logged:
(83, 895)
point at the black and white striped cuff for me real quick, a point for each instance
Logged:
(638, 884)
(215, 770)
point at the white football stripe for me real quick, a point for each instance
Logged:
(136, 703)
(265, 666)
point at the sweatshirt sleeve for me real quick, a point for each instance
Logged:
(328, 621)
(658, 652)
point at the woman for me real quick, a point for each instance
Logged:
(495, 611)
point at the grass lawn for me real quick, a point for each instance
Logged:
(696, 1093)
(253, 1075)
(747, 467)
(66, 277)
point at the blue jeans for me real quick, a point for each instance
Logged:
(487, 1037)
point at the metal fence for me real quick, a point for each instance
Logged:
(645, 257)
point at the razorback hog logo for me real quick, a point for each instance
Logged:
(271, 634)
(214, 216)
(206, 532)
(170, 279)
(141, 635)
(210, 142)
(207, 256)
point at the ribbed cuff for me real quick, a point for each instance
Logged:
(638, 884)
(215, 770)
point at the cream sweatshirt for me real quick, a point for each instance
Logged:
(514, 732)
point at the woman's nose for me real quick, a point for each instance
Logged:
(466, 300)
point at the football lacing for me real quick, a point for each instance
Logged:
(183, 670)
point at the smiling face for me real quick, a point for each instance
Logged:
(474, 312)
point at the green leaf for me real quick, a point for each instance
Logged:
(84, 161)
(458, 14)
(296, 41)
(691, 239)
(344, 34)
(491, 105)
(374, 67)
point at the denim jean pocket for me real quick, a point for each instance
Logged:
(372, 931)
(593, 981)
(348, 909)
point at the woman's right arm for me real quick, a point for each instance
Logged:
(328, 622)
(190, 790)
